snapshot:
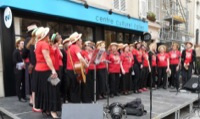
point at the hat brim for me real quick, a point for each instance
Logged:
(100, 43)
(46, 31)
(66, 40)
(75, 40)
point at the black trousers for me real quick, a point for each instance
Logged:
(114, 83)
(153, 74)
(186, 74)
(144, 76)
(90, 84)
(173, 80)
(20, 83)
(65, 86)
(102, 82)
(126, 82)
(78, 91)
(162, 76)
(137, 80)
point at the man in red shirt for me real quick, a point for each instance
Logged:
(74, 56)
(188, 59)
(175, 60)
(114, 69)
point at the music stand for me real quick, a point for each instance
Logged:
(96, 57)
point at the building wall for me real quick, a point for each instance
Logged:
(132, 6)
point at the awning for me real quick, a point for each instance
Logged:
(73, 10)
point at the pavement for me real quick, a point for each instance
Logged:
(165, 103)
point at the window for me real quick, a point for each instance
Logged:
(62, 28)
(154, 6)
(143, 8)
(120, 5)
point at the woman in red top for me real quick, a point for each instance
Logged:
(163, 66)
(101, 72)
(145, 67)
(137, 54)
(56, 40)
(47, 96)
(188, 58)
(87, 54)
(114, 69)
(175, 60)
(125, 65)
(74, 56)
(65, 86)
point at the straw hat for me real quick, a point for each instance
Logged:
(189, 43)
(89, 43)
(66, 40)
(162, 46)
(176, 44)
(120, 46)
(31, 28)
(34, 31)
(132, 45)
(99, 43)
(113, 43)
(125, 45)
(74, 37)
(144, 44)
(18, 40)
(42, 33)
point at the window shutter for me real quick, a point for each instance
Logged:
(116, 4)
(123, 5)
(143, 8)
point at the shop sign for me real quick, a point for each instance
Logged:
(7, 17)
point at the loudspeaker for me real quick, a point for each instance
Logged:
(82, 111)
(192, 84)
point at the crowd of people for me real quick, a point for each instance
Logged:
(121, 69)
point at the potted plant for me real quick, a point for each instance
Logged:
(151, 16)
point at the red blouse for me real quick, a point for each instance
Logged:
(73, 49)
(102, 65)
(114, 65)
(162, 59)
(188, 56)
(138, 54)
(153, 60)
(145, 57)
(126, 61)
(41, 64)
(174, 57)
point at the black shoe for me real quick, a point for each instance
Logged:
(30, 104)
(22, 100)
(111, 96)
(164, 88)
(117, 94)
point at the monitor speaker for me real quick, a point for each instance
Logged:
(82, 111)
(192, 84)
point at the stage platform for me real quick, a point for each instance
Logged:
(164, 103)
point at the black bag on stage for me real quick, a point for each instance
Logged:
(135, 107)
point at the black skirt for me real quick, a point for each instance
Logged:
(47, 96)
(126, 82)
